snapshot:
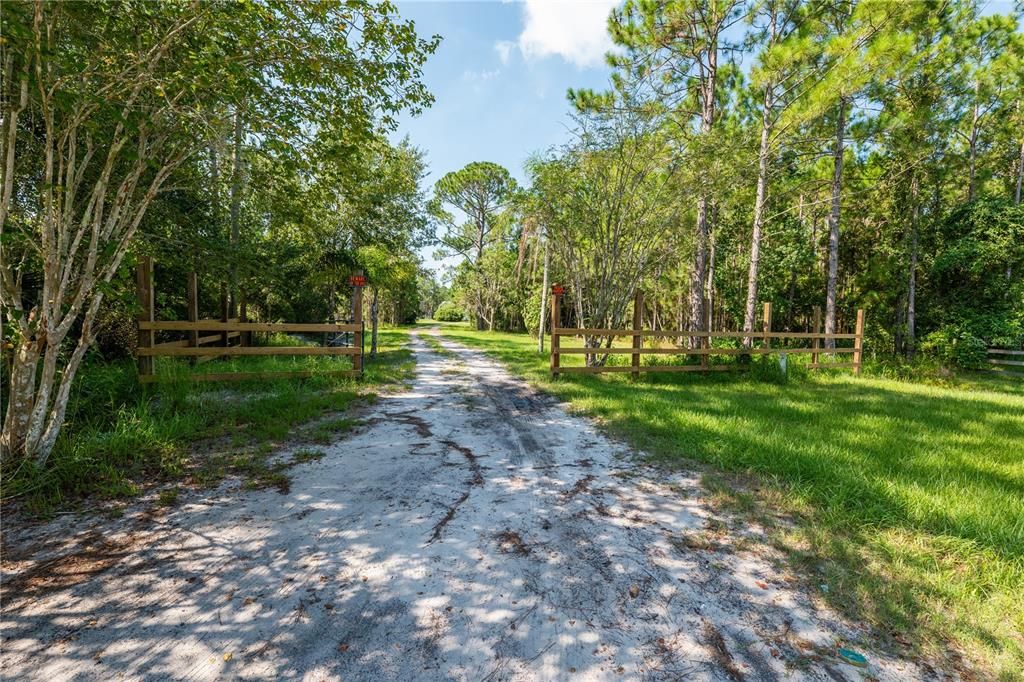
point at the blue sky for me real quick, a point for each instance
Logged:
(499, 78)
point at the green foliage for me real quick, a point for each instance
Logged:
(121, 437)
(955, 347)
(975, 283)
(449, 311)
(469, 210)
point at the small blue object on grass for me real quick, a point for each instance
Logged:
(853, 658)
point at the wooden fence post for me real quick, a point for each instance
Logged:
(556, 321)
(816, 343)
(767, 324)
(858, 342)
(243, 316)
(357, 318)
(225, 314)
(144, 291)
(638, 319)
(193, 311)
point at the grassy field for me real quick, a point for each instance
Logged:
(120, 436)
(908, 497)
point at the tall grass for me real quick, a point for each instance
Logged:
(908, 495)
(120, 435)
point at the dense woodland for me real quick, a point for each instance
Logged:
(832, 154)
(245, 141)
(836, 153)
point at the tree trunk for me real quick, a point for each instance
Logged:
(833, 225)
(790, 299)
(973, 145)
(698, 274)
(1020, 174)
(373, 324)
(912, 276)
(236, 204)
(709, 285)
(215, 187)
(544, 296)
(759, 203)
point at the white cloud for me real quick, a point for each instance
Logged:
(504, 50)
(576, 30)
(470, 75)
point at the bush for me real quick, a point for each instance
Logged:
(449, 312)
(956, 347)
(116, 334)
(531, 316)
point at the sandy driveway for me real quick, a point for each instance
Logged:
(469, 530)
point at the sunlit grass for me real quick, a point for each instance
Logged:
(908, 497)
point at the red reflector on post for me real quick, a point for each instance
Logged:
(557, 289)
(357, 280)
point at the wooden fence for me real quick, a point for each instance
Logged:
(229, 330)
(761, 344)
(1001, 358)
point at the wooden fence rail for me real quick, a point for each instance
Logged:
(1003, 357)
(704, 350)
(211, 346)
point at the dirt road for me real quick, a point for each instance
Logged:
(470, 529)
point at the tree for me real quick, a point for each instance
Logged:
(674, 49)
(480, 192)
(103, 102)
(778, 75)
(607, 210)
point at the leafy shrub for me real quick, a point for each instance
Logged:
(449, 312)
(531, 316)
(953, 346)
(116, 335)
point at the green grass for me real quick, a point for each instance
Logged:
(907, 497)
(120, 436)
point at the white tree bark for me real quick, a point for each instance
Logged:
(544, 294)
(759, 205)
(80, 232)
(833, 225)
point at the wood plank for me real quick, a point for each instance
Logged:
(858, 343)
(357, 317)
(809, 335)
(816, 341)
(144, 291)
(649, 368)
(242, 376)
(638, 310)
(576, 331)
(248, 350)
(1001, 351)
(556, 316)
(219, 326)
(185, 343)
(695, 351)
(997, 361)
(193, 306)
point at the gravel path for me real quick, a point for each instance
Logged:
(470, 529)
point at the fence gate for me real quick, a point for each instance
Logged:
(232, 336)
(761, 343)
